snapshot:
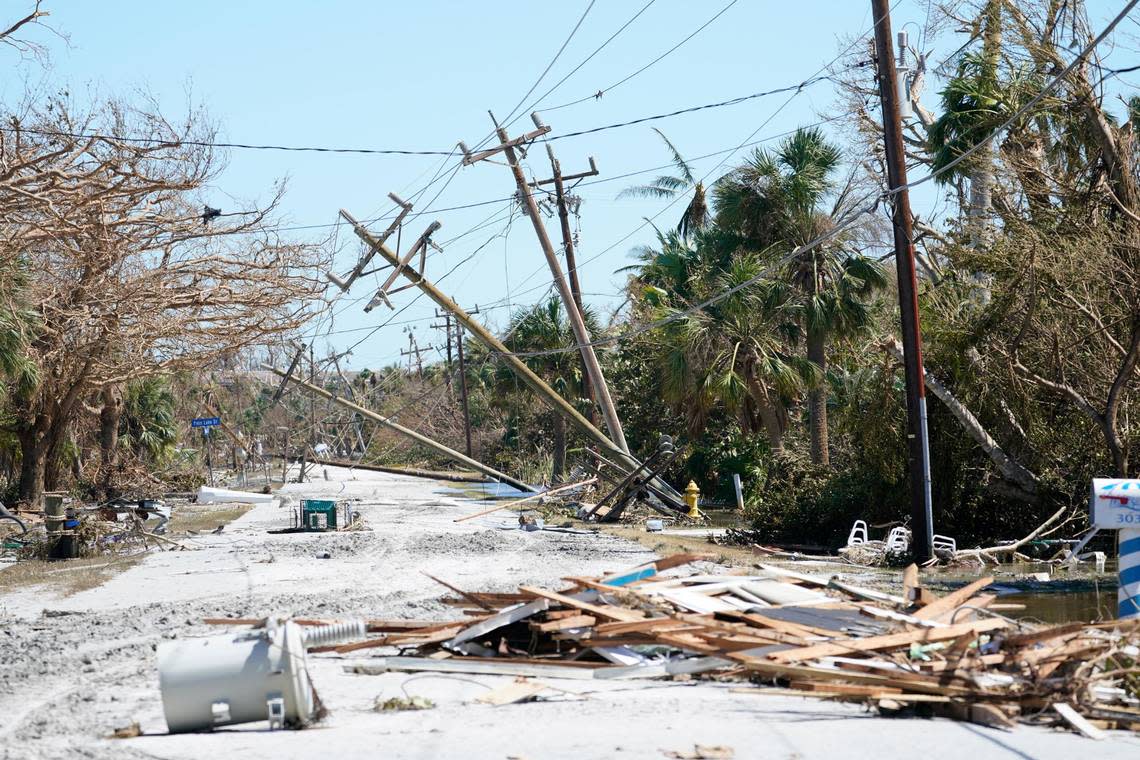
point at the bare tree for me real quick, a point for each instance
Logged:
(128, 276)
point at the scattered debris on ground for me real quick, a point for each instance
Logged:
(787, 633)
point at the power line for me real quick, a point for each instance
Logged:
(212, 144)
(552, 60)
(692, 109)
(446, 153)
(598, 95)
(585, 60)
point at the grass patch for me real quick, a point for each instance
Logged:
(203, 518)
(65, 577)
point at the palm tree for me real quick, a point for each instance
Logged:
(544, 327)
(696, 215)
(729, 356)
(775, 202)
(149, 427)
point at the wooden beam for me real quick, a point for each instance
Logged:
(947, 603)
(887, 641)
(606, 611)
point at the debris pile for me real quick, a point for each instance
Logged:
(788, 633)
(117, 528)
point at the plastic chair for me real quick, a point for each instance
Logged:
(858, 534)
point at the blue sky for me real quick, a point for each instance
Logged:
(421, 76)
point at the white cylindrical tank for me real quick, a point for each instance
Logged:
(243, 677)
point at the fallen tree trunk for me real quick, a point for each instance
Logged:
(992, 552)
(1011, 470)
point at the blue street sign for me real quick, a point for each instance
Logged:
(205, 422)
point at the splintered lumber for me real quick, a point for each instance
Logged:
(867, 593)
(498, 600)
(810, 673)
(911, 583)
(564, 624)
(944, 604)
(876, 693)
(847, 689)
(506, 617)
(607, 611)
(516, 502)
(870, 651)
(469, 597)
(887, 641)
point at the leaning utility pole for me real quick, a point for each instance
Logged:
(568, 238)
(463, 385)
(581, 334)
(458, 336)
(446, 327)
(922, 521)
(517, 365)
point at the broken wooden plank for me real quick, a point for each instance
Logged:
(887, 641)
(609, 612)
(776, 692)
(648, 570)
(807, 672)
(867, 593)
(947, 603)
(564, 624)
(506, 617)
(846, 689)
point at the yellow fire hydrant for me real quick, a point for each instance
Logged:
(692, 496)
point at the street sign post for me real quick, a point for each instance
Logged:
(205, 423)
(1115, 505)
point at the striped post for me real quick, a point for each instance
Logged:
(1128, 597)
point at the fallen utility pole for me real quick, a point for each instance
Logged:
(509, 504)
(581, 334)
(922, 520)
(418, 437)
(529, 378)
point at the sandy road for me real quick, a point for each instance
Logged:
(73, 669)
